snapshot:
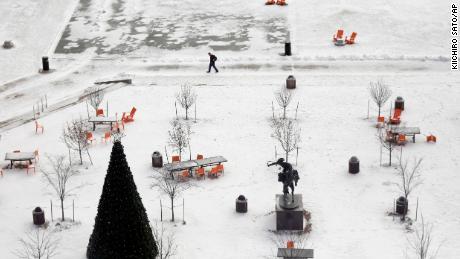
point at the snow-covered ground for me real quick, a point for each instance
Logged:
(401, 43)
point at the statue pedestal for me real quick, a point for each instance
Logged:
(289, 215)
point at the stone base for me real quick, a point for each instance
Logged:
(289, 219)
(41, 71)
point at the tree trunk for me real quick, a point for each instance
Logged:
(81, 158)
(390, 154)
(186, 113)
(284, 112)
(172, 209)
(287, 156)
(379, 110)
(62, 209)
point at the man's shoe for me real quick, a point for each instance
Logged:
(208, 71)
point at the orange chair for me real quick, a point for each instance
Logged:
(281, 2)
(38, 126)
(270, 2)
(220, 168)
(430, 138)
(213, 171)
(184, 175)
(107, 136)
(200, 172)
(89, 137)
(290, 244)
(352, 38)
(396, 117)
(338, 35)
(130, 116)
(381, 119)
(30, 166)
(99, 112)
(199, 157)
(401, 139)
(175, 158)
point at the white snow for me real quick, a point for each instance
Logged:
(402, 43)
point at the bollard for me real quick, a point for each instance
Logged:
(45, 64)
(287, 49)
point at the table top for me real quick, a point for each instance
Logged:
(406, 130)
(102, 119)
(19, 156)
(177, 166)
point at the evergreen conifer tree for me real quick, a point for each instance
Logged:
(121, 229)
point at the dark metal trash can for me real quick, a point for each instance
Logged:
(290, 82)
(157, 159)
(241, 204)
(38, 216)
(402, 205)
(353, 165)
(287, 49)
(45, 64)
(399, 103)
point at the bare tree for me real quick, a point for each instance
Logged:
(74, 136)
(38, 244)
(165, 241)
(380, 93)
(166, 182)
(179, 136)
(283, 97)
(287, 133)
(186, 97)
(95, 96)
(387, 142)
(410, 178)
(58, 176)
(421, 243)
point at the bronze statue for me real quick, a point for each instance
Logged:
(288, 177)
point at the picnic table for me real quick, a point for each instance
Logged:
(408, 131)
(19, 156)
(295, 253)
(189, 164)
(102, 120)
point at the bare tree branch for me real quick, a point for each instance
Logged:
(380, 93)
(179, 136)
(58, 177)
(421, 243)
(287, 133)
(387, 142)
(186, 97)
(165, 241)
(38, 244)
(283, 97)
(74, 136)
(169, 185)
(95, 96)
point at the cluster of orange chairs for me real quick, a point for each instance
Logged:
(339, 35)
(278, 2)
(200, 171)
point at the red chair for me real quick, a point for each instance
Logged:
(220, 168)
(199, 157)
(107, 136)
(352, 38)
(381, 119)
(270, 2)
(338, 35)
(396, 117)
(290, 244)
(130, 116)
(200, 172)
(431, 138)
(38, 126)
(100, 112)
(89, 137)
(281, 2)
(175, 159)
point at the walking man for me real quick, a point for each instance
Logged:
(212, 60)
